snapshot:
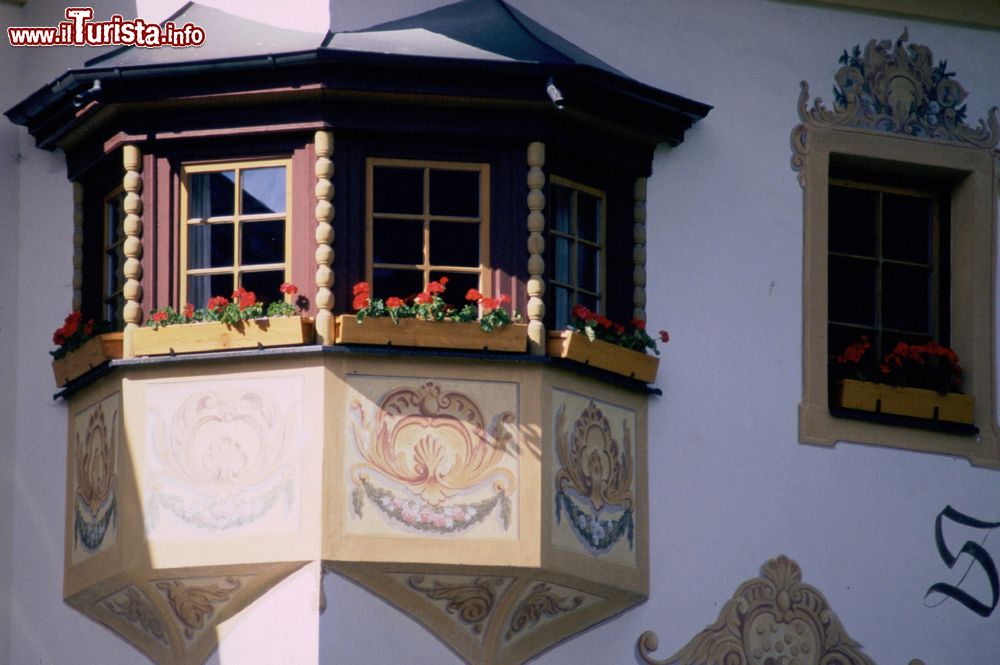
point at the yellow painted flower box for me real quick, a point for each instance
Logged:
(912, 402)
(94, 352)
(217, 336)
(603, 355)
(382, 331)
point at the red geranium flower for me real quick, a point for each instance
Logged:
(474, 295)
(437, 287)
(288, 288)
(360, 300)
(361, 287)
(393, 301)
(425, 298)
(159, 317)
(188, 311)
(664, 336)
(216, 303)
(638, 323)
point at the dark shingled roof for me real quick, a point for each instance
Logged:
(472, 34)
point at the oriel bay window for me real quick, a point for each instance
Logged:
(888, 265)
(234, 229)
(576, 249)
(426, 220)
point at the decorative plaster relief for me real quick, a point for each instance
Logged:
(894, 90)
(471, 601)
(96, 432)
(132, 605)
(223, 456)
(595, 479)
(541, 602)
(770, 619)
(194, 601)
(429, 459)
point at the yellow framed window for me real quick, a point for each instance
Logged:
(235, 229)
(426, 220)
(576, 248)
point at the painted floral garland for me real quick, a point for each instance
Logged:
(435, 519)
(600, 535)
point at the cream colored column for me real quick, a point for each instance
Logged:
(132, 314)
(536, 248)
(77, 246)
(639, 250)
(324, 237)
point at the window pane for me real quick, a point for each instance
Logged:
(454, 244)
(560, 307)
(561, 260)
(588, 217)
(852, 291)
(398, 190)
(455, 193)
(458, 285)
(212, 194)
(262, 242)
(592, 303)
(264, 284)
(588, 261)
(210, 245)
(395, 282)
(906, 298)
(853, 215)
(263, 190)
(398, 241)
(562, 209)
(906, 228)
(114, 215)
(202, 287)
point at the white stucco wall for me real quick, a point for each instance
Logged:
(731, 486)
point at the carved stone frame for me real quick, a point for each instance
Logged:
(897, 113)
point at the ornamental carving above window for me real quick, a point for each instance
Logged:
(894, 89)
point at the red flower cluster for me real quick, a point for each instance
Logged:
(244, 298)
(362, 295)
(393, 301)
(919, 354)
(216, 303)
(288, 288)
(489, 304)
(70, 326)
(598, 326)
(74, 331)
(855, 352)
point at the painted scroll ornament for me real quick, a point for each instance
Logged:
(594, 482)
(770, 620)
(95, 507)
(435, 446)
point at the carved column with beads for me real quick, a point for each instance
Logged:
(639, 250)
(324, 237)
(132, 291)
(536, 248)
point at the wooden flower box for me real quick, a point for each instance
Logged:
(604, 355)
(912, 402)
(93, 353)
(216, 336)
(512, 337)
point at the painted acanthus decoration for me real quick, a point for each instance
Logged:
(437, 446)
(95, 508)
(595, 469)
(224, 459)
(897, 90)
